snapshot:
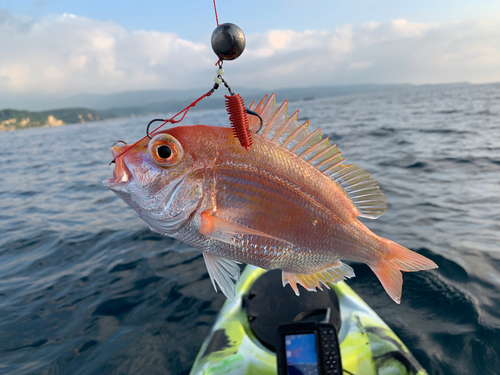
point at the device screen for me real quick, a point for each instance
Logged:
(301, 354)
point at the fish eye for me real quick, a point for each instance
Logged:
(165, 150)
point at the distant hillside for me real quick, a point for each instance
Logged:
(11, 119)
(147, 98)
(165, 101)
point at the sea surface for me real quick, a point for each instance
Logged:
(87, 288)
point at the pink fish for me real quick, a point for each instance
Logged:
(288, 203)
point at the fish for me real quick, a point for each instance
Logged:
(290, 202)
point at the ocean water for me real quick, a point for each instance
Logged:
(87, 288)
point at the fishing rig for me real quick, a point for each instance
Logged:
(228, 43)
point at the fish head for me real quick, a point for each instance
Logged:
(159, 176)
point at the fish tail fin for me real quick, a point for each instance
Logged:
(388, 268)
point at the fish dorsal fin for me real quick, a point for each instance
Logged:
(285, 131)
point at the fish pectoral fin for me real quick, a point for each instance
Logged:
(223, 271)
(338, 271)
(227, 231)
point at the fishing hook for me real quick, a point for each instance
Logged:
(250, 112)
(156, 119)
(118, 141)
(113, 145)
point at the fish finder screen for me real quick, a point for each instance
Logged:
(301, 354)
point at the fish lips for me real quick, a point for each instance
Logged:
(121, 176)
(121, 173)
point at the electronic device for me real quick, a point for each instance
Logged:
(308, 348)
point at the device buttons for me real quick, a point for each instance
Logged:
(331, 355)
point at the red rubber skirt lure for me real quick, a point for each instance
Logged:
(239, 120)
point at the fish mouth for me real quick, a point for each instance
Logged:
(121, 173)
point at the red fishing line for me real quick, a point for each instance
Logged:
(216, 18)
(239, 120)
(171, 120)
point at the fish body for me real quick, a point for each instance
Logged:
(289, 202)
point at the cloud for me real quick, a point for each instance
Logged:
(360, 65)
(399, 51)
(68, 54)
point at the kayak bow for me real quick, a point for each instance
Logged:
(367, 344)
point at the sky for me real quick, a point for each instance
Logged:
(63, 48)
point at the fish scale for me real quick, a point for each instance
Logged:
(289, 214)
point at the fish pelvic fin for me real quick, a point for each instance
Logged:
(223, 271)
(338, 271)
(399, 258)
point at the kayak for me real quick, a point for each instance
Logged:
(243, 337)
